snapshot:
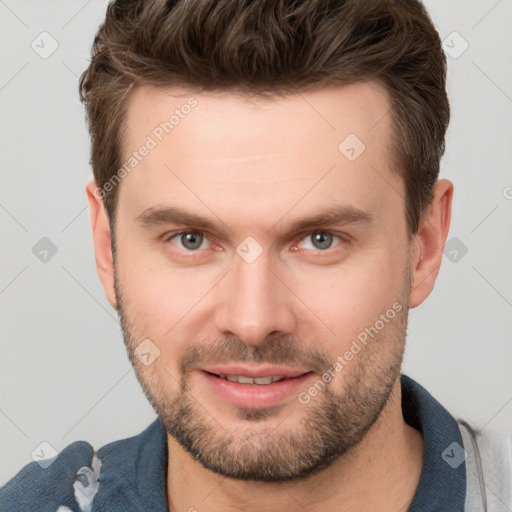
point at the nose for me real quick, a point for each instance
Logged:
(254, 302)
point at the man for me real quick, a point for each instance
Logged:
(265, 210)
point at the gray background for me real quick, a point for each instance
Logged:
(64, 372)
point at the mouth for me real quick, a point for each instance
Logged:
(255, 387)
(260, 381)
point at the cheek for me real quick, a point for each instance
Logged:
(162, 302)
(343, 301)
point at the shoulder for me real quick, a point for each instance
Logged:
(79, 474)
(46, 485)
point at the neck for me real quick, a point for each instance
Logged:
(388, 460)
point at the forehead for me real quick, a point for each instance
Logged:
(321, 116)
(332, 143)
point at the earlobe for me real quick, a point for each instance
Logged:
(102, 240)
(429, 243)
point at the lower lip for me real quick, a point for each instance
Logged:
(255, 396)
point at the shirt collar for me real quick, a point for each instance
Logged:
(442, 485)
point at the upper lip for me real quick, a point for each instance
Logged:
(255, 371)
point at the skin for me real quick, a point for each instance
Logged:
(257, 166)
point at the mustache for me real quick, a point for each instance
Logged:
(272, 350)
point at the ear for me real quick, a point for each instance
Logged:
(102, 240)
(428, 243)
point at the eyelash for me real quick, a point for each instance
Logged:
(343, 240)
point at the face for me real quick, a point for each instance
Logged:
(262, 272)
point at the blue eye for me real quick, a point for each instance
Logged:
(320, 240)
(189, 240)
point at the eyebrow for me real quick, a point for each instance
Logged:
(159, 215)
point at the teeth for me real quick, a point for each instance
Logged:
(241, 379)
(245, 380)
(263, 380)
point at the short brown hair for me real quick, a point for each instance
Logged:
(271, 48)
